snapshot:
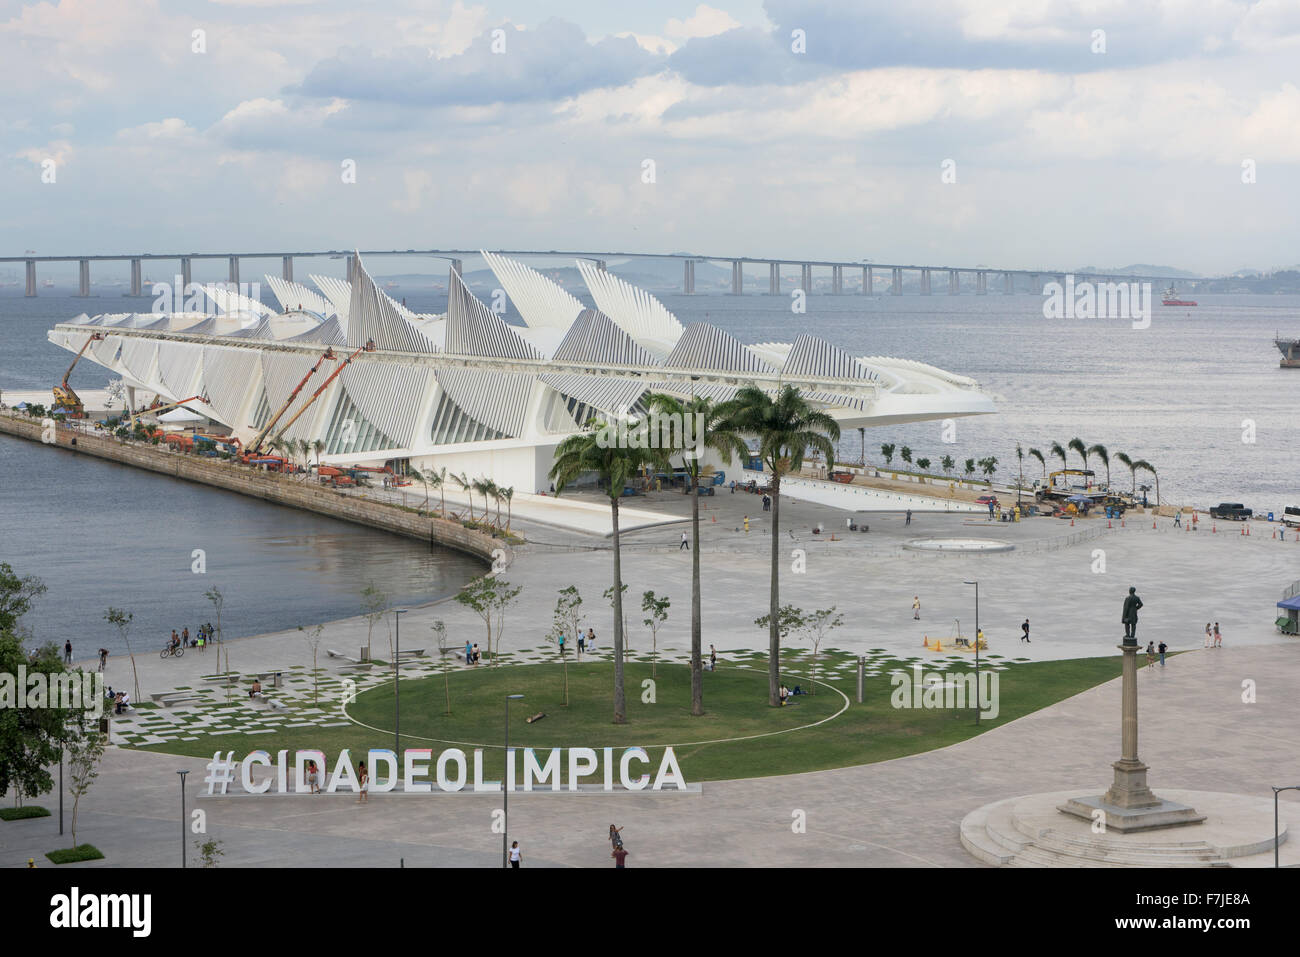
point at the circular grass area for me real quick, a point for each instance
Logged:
(735, 703)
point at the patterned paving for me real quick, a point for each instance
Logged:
(209, 708)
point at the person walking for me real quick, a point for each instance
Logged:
(469, 652)
(713, 658)
(746, 524)
(685, 544)
(1151, 653)
(591, 639)
(1162, 649)
(561, 640)
(909, 517)
(1218, 638)
(620, 856)
(1025, 628)
(364, 773)
(67, 652)
(1209, 635)
(103, 658)
(916, 607)
(1178, 519)
(582, 642)
(515, 854)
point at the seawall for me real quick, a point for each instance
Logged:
(268, 486)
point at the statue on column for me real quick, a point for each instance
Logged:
(1130, 617)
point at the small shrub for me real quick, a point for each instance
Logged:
(71, 855)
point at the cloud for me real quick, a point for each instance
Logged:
(553, 61)
(707, 21)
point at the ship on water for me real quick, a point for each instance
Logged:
(1171, 298)
(1290, 349)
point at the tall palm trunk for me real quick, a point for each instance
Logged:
(620, 700)
(773, 635)
(697, 676)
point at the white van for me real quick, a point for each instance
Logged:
(1291, 515)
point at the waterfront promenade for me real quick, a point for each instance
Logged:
(1197, 731)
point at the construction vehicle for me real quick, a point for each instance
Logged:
(274, 440)
(64, 395)
(255, 446)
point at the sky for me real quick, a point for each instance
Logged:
(1016, 133)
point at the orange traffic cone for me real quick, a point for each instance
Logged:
(1153, 523)
(1072, 523)
(1214, 528)
(1121, 523)
(1243, 530)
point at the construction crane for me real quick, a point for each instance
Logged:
(255, 447)
(64, 395)
(135, 416)
(368, 347)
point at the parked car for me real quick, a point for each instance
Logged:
(1233, 511)
(987, 500)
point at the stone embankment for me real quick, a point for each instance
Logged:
(268, 486)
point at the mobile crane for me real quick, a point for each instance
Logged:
(64, 395)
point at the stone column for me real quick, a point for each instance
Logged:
(981, 283)
(925, 282)
(83, 278)
(837, 280)
(234, 271)
(737, 278)
(187, 272)
(136, 286)
(774, 279)
(896, 282)
(31, 278)
(868, 281)
(286, 269)
(1009, 287)
(805, 280)
(954, 282)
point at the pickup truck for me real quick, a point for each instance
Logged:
(1233, 511)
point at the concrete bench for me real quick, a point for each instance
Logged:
(411, 653)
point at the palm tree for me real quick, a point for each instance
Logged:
(591, 451)
(1059, 452)
(481, 485)
(317, 446)
(1132, 467)
(468, 487)
(495, 491)
(728, 443)
(1020, 455)
(304, 450)
(508, 494)
(424, 479)
(1039, 455)
(1101, 453)
(1148, 467)
(787, 427)
(1076, 445)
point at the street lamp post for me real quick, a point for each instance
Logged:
(397, 694)
(182, 774)
(505, 789)
(60, 787)
(977, 650)
(1276, 792)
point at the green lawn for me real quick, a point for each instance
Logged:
(735, 699)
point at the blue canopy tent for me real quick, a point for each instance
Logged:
(1288, 622)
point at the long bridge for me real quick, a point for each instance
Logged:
(893, 271)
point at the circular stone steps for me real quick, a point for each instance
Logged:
(1029, 831)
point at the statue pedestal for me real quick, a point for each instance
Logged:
(1130, 805)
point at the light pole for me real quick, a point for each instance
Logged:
(1276, 792)
(397, 696)
(182, 774)
(505, 789)
(60, 787)
(977, 650)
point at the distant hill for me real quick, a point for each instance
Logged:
(1138, 269)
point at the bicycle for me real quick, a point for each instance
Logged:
(170, 652)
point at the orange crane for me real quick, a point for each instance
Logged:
(255, 447)
(64, 395)
(368, 347)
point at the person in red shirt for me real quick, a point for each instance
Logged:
(620, 856)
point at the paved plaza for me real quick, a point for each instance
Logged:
(1197, 731)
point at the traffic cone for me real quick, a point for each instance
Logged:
(926, 642)
(1121, 523)
(1243, 530)
(1153, 523)
(1214, 528)
(1108, 524)
(1072, 523)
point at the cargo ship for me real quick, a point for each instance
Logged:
(1290, 349)
(1171, 298)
